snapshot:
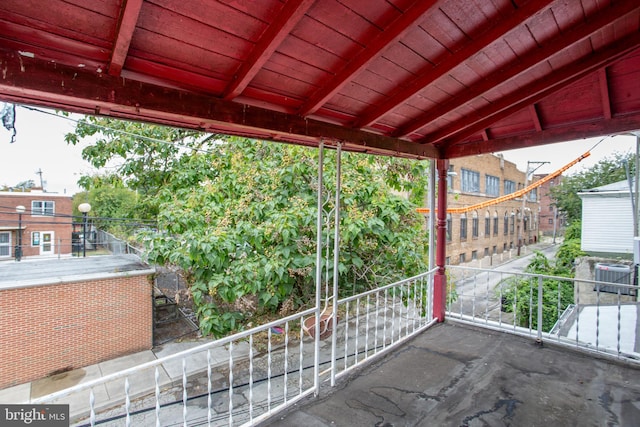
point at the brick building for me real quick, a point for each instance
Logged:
(480, 235)
(549, 226)
(44, 226)
(61, 314)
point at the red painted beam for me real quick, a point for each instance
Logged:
(430, 73)
(124, 34)
(604, 93)
(589, 129)
(535, 117)
(556, 45)
(31, 81)
(533, 92)
(291, 14)
(374, 49)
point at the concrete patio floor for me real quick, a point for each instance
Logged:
(458, 375)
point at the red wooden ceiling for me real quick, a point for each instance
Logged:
(415, 78)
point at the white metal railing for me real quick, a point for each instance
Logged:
(570, 312)
(376, 321)
(247, 377)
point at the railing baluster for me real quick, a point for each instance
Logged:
(286, 359)
(301, 359)
(269, 369)
(251, 375)
(366, 335)
(515, 307)
(473, 301)
(578, 316)
(231, 383)
(346, 336)
(384, 325)
(559, 306)
(530, 305)
(540, 312)
(209, 391)
(487, 298)
(393, 314)
(501, 299)
(355, 351)
(127, 402)
(92, 409)
(375, 337)
(415, 305)
(156, 378)
(184, 392)
(619, 322)
(598, 317)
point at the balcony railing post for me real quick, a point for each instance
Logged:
(539, 339)
(440, 280)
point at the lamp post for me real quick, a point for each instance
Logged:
(20, 209)
(84, 208)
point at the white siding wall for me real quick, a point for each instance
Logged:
(607, 223)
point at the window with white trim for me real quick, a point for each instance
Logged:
(5, 244)
(42, 208)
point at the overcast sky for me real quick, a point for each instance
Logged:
(40, 145)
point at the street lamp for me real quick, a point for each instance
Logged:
(84, 208)
(20, 209)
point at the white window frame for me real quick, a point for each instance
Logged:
(43, 210)
(6, 245)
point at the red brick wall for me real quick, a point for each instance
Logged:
(49, 328)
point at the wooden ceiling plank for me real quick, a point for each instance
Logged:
(533, 92)
(604, 93)
(541, 54)
(124, 34)
(291, 14)
(32, 81)
(373, 50)
(590, 129)
(430, 74)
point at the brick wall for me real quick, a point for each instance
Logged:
(484, 247)
(50, 328)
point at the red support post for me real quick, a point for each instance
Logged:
(440, 279)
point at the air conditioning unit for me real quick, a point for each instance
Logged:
(614, 273)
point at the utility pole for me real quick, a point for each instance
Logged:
(524, 201)
(39, 172)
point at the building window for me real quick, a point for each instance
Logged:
(475, 225)
(513, 223)
(495, 223)
(492, 185)
(463, 227)
(449, 225)
(533, 195)
(509, 186)
(463, 258)
(504, 247)
(470, 181)
(495, 249)
(486, 252)
(550, 208)
(474, 255)
(35, 238)
(506, 224)
(550, 221)
(447, 261)
(487, 225)
(5, 244)
(42, 208)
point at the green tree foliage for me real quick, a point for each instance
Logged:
(520, 294)
(607, 171)
(250, 230)
(114, 208)
(239, 216)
